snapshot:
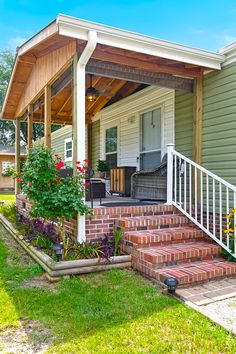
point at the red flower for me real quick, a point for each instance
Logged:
(59, 165)
(85, 168)
(58, 180)
(18, 179)
(86, 184)
(86, 161)
(79, 168)
(78, 162)
(56, 155)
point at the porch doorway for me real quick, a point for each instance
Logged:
(151, 138)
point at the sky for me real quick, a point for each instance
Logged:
(209, 24)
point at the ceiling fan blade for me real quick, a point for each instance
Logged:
(102, 93)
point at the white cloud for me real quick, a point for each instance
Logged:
(15, 42)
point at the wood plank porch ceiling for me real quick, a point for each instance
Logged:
(116, 71)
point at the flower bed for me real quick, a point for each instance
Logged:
(57, 197)
(56, 269)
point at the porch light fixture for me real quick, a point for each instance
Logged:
(171, 284)
(58, 249)
(91, 94)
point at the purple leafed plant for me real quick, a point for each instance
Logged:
(36, 227)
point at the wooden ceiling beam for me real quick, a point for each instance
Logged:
(145, 65)
(139, 76)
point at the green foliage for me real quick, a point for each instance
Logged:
(87, 250)
(53, 198)
(42, 242)
(117, 239)
(9, 211)
(230, 232)
(102, 166)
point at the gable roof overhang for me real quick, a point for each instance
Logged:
(114, 46)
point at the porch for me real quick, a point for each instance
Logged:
(51, 83)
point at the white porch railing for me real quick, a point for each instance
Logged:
(202, 196)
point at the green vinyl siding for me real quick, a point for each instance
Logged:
(184, 123)
(95, 144)
(219, 123)
(58, 140)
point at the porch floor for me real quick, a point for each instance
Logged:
(116, 199)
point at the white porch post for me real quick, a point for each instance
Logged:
(80, 116)
(17, 153)
(169, 148)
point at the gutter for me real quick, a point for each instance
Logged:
(110, 36)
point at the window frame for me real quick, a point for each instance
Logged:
(68, 140)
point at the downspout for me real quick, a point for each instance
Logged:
(81, 115)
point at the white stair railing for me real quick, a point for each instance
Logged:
(206, 199)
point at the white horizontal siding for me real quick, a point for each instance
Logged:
(126, 115)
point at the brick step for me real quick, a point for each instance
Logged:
(162, 237)
(197, 271)
(151, 222)
(156, 257)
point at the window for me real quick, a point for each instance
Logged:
(68, 149)
(111, 147)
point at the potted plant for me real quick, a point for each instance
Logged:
(102, 168)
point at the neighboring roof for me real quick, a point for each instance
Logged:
(229, 51)
(10, 150)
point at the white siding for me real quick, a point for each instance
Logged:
(126, 115)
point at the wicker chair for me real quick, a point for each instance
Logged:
(150, 184)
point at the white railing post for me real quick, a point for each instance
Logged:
(169, 149)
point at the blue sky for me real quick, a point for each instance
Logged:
(208, 24)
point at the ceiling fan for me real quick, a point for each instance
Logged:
(92, 93)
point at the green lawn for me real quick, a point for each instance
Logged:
(7, 197)
(110, 312)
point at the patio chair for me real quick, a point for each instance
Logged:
(150, 184)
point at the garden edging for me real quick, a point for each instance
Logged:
(57, 269)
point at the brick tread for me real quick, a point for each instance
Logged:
(148, 238)
(179, 252)
(197, 271)
(154, 220)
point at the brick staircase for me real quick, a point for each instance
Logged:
(166, 244)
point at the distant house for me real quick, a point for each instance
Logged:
(7, 158)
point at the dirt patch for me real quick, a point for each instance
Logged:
(28, 338)
(39, 282)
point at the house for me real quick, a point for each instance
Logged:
(129, 99)
(7, 159)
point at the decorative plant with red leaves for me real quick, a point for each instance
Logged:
(53, 197)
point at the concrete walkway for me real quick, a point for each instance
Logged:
(215, 299)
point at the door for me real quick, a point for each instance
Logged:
(151, 134)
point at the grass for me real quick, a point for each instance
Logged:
(7, 197)
(110, 312)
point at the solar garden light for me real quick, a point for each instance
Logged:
(171, 284)
(58, 249)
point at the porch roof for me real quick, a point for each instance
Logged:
(45, 57)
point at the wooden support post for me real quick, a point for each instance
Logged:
(197, 120)
(30, 126)
(197, 127)
(90, 142)
(17, 153)
(47, 116)
(74, 113)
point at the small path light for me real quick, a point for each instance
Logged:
(58, 249)
(171, 284)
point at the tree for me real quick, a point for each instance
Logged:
(7, 128)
